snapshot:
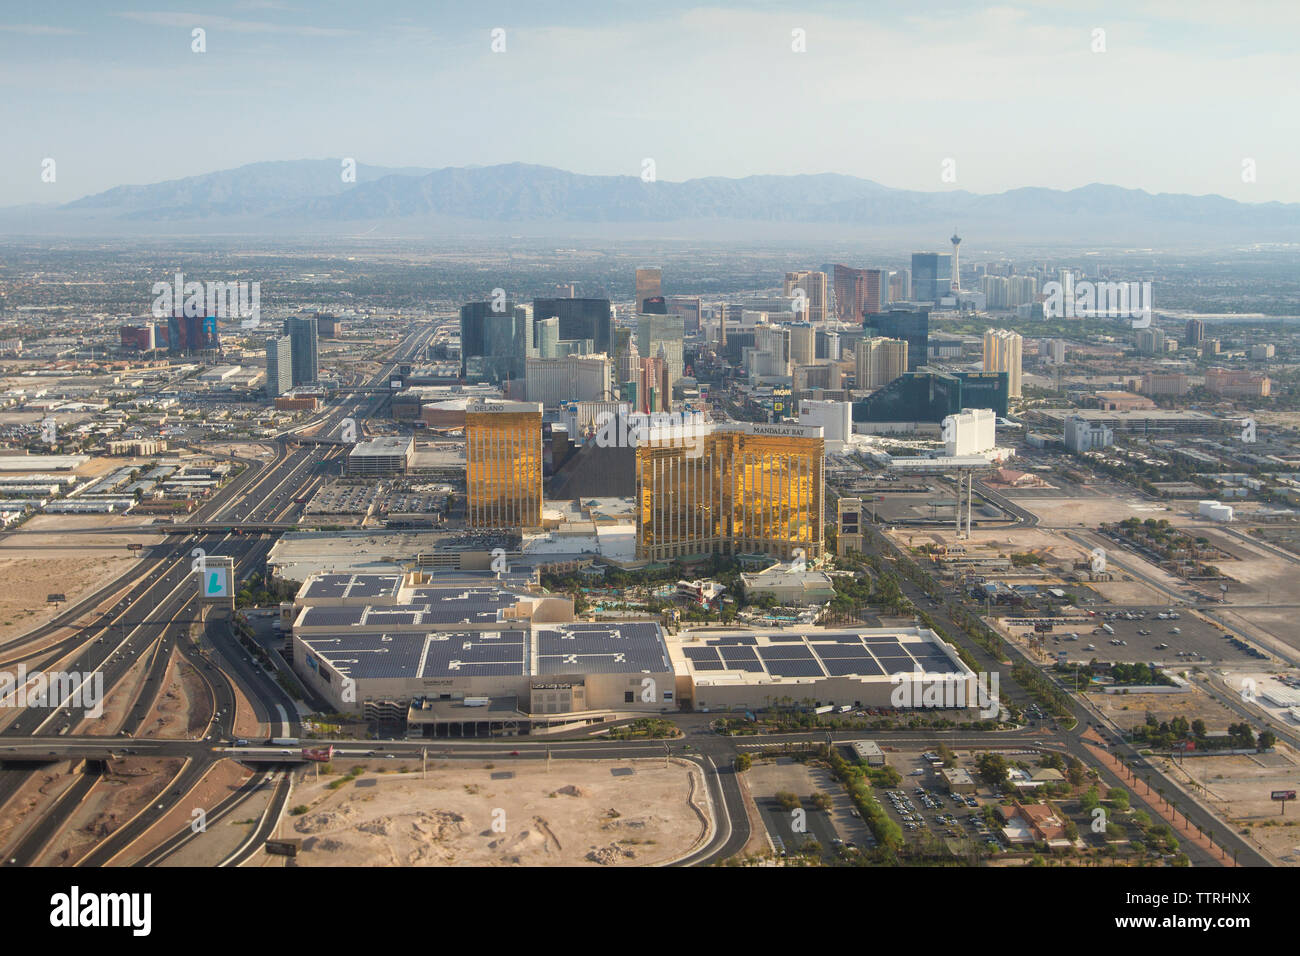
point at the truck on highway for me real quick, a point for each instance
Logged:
(1108, 629)
(282, 742)
(845, 708)
(824, 710)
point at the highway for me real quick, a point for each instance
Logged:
(154, 619)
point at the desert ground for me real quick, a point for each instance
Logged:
(54, 554)
(577, 813)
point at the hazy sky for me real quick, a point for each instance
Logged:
(1012, 92)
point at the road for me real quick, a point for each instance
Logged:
(154, 619)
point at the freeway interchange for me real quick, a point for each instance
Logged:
(146, 616)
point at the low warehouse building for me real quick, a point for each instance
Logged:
(898, 668)
(957, 780)
(868, 752)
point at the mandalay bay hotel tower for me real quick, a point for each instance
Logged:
(732, 489)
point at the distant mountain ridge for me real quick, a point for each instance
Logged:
(313, 193)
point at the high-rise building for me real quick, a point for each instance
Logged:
(660, 336)
(546, 336)
(734, 488)
(690, 308)
(813, 286)
(1151, 341)
(579, 319)
(880, 361)
(649, 283)
(305, 347)
(1237, 383)
(1021, 290)
(552, 381)
(1052, 351)
(1194, 333)
(648, 388)
(1082, 434)
(911, 326)
(503, 464)
(1002, 353)
(931, 276)
(872, 291)
(1165, 383)
(279, 365)
(138, 338)
(496, 339)
(844, 285)
(328, 326)
(803, 343)
(929, 397)
(997, 292)
(191, 333)
(859, 291)
(900, 285)
(769, 356)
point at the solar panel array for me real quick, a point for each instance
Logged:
(427, 607)
(794, 655)
(624, 648)
(621, 648)
(476, 654)
(352, 585)
(362, 656)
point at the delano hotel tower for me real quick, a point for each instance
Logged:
(732, 488)
(503, 464)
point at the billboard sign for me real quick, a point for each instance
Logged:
(216, 580)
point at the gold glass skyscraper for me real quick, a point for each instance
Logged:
(735, 488)
(503, 464)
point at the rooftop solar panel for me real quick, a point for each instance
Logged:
(898, 667)
(857, 666)
(794, 668)
(332, 616)
(826, 651)
(799, 653)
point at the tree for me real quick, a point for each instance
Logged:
(1267, 739)
(1118, 798)
(1090, 800)
(743, 762)
(787, 800)
(993, 768)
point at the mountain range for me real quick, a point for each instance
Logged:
(516, 197)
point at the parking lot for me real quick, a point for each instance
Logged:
(946, 816)
(1150, 634)
(838, 830)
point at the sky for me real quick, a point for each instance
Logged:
(1185, 96)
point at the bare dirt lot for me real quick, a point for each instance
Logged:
(59, 554)
(1239, 787)
(1091, 510)
(580, 813)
